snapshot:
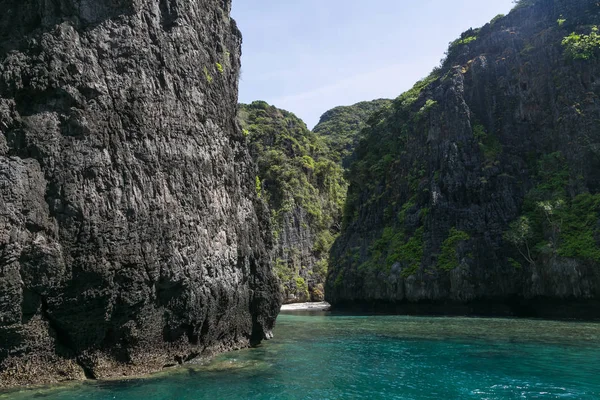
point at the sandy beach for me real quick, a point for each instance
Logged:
(320, 306)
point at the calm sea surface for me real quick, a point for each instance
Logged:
(323, 356)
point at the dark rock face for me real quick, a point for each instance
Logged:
(502, 140)
(129, 226)
(297, 258)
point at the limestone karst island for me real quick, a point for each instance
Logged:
(235, 199)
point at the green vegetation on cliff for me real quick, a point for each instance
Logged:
(300, 175)
(448, 258)
(489, 164)
(581, 46)
(382, 142)
(340, 127)
(554, 222)
(305, 191)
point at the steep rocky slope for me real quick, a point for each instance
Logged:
(340, 127)
(479, 189)
(305, 191)
(129, 225)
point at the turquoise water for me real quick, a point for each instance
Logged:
(321, 356)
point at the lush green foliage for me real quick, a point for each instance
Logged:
(301, 285)
(297, 178)
(554, 223)
(395, 246)
(457, 46)
(579, 228)
(383, 142)
(466, 40)
(496, 18)
(209, 78)
(258, 186)
(407, 99)
(582, 47)
(340, 127)
(448, 258)
(489, 144)
(519, 234)
(410, 253)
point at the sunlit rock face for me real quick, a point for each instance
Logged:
(479, 190)
(131, 236)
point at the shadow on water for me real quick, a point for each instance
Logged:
(332, 355)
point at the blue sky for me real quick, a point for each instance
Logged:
(308, 56)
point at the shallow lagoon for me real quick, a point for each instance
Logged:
(325, 356)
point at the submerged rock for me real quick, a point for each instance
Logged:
(129, 223)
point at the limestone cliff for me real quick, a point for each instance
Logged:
(305, 191)
(131, 237)
(478, 191)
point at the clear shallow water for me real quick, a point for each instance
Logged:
(321, 356)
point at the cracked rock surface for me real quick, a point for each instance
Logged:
(130, 232)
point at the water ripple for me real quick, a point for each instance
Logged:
(383, 357)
